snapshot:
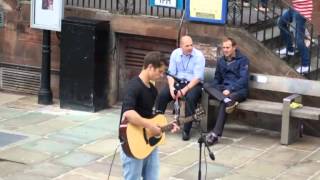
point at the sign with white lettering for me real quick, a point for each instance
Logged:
(167, 3)
(178, 4)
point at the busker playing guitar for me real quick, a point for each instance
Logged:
(136, 111)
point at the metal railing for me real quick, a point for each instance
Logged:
(263, 25)
(127, 7)
(241, 13)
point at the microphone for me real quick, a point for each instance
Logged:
(211, 155)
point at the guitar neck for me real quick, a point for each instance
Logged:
(169, 126)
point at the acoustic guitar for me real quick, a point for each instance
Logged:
(138, 143)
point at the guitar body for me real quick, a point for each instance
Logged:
(137, 141)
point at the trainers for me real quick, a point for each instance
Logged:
(230, 106)
(211, 138)
(303, 69)
(284, 51)
(185, 136)
(246, 3)
(262, 9)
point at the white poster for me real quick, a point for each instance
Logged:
(167, 3)
(47, 14)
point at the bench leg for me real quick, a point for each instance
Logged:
(289, 127)
(289, 131)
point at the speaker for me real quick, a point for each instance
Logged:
(83, 66)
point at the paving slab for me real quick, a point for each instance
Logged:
(76, 159)
(25, 176)
(104, 147)
(74, 176)
(8, 113)
(214, 171)
(8, 168)
(30, 118)
(168, 171)
(26, 103)
(172, 143)
(8, 138)
(22, 155)
(235, 176)
(179, 158)
(305, 168)
(261, 169)
(98, 171)
(48, 169)
(314, 156)
(108, 123)
(260, 139)
(48, 127)
(9, 97)
(306, 143)
(287, 176)
(234, 156)
(284, 155)
(50, 146)
(317, 177)
(79, 134)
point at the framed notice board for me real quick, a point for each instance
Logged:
(210, 11)
(47, 14)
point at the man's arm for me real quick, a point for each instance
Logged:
(171, 86)
(243, 81)
(134, 118)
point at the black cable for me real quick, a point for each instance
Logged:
(114, 155)
(205, 161)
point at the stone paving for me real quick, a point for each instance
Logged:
(40, 142)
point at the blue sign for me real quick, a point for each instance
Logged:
(178, 4)
(210, 11)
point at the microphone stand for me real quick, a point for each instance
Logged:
(202, 140)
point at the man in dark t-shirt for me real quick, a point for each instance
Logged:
(137, 107)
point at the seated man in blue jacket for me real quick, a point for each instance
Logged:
(229, 86)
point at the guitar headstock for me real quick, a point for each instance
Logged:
(199, 114)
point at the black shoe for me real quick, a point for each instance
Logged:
(185, 136)
(230, 106)
(211, 139)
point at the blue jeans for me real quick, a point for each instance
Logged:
(284, 24)
(134, 169)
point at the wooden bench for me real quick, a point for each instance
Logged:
(297, 87)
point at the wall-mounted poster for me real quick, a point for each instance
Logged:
(47, 14)
(167, 3)
(211, 11)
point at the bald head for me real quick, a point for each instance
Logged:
(186, 45)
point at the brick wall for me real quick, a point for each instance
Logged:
(316, 16)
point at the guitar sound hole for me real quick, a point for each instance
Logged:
(154, 140)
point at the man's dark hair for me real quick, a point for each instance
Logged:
(155, 58)
(233, 42)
